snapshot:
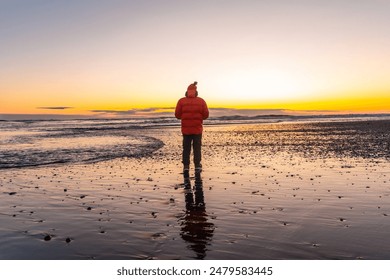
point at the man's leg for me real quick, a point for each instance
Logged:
(187, 139)
(197, 160)
(197, 144)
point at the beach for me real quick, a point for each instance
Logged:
(285, 190)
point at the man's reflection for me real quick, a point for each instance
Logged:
(195, 228)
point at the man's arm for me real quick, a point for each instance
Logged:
(178, 111)
(205, 112)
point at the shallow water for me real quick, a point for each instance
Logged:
(24, 144)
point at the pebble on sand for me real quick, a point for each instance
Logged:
(47, 237)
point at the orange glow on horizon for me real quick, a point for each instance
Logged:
(364, 104)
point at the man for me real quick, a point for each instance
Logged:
(192, 110)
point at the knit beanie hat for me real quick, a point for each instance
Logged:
(192, 89)
(192, 86)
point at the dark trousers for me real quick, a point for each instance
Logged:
(196, 141)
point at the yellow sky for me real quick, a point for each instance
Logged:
(313, 55)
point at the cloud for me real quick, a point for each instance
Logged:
(153, 111)
(115, 112)
(55, 108)
(222, 112)
(219, 112)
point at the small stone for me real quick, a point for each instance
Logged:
(12, 193)
(68, 240)
(47, 237)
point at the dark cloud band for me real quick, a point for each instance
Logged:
(55, 108)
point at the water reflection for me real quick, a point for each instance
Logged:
(196, 230)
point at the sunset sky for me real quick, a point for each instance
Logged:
(124, 57)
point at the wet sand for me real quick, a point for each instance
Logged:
(270, 191)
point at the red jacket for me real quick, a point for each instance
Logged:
(191, 110)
